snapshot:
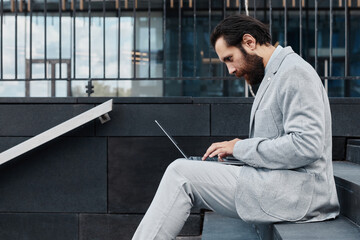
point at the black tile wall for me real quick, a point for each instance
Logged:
(31, 119)
(137, 164)
(338, 148)
(345, 120)
(138, 120)
(36, 226)
(109, 173)
(230, 119)
(123, 226)
(64, 175)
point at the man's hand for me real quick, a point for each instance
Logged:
(221, 149)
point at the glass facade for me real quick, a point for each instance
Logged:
(161, 47)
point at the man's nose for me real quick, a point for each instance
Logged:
(232, 69)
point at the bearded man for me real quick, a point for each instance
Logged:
(288, 174)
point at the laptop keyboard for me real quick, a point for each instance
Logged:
(228, 161)
(212, 159)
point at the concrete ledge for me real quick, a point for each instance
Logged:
(218, 227)
(353, 151)
(340, 228)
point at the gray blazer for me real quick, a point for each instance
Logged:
(289, 152)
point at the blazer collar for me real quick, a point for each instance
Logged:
(274, 66)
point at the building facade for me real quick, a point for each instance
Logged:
(161, 47)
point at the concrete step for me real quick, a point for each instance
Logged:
(347, 178)
(340, 228)
(217, 227)
(188, 238)
(353, 151)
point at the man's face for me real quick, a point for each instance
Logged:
(249, 66)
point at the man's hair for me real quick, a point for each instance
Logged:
(234, 27)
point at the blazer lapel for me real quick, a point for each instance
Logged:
(260, 93)
(273, 68)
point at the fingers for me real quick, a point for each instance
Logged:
(216, 152)
(215, 149)
(210, 150)
(221, 157)
(222, 149)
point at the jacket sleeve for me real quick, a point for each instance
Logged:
(300, 98)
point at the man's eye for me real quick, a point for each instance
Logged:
(227, 59)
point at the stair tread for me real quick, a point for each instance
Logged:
(347, 171)
(340, 228)
(218, 227)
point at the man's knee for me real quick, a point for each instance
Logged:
(177, 166)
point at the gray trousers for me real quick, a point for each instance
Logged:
(188, 184)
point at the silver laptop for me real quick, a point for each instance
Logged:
(227, 160)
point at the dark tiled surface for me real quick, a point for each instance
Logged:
(122, 227)
(108, 227)
(137, 164)
(138, 120)
(64, 175)
(347, 179)
(230, 119)
(31, 119)
(338, 148)
(345, 120)
(25, 226)
(340, 228)
(219, 227)
(69, 174)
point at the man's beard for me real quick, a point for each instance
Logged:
(254, 69)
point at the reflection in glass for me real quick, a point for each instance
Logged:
(97, 41)
(187, 76)
(9, 48)
(82, 47)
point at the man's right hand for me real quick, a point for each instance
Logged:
(221, 149)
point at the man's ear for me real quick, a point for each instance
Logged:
(249, 42)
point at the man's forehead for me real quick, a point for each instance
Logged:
(223, 50)
(220, 44)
